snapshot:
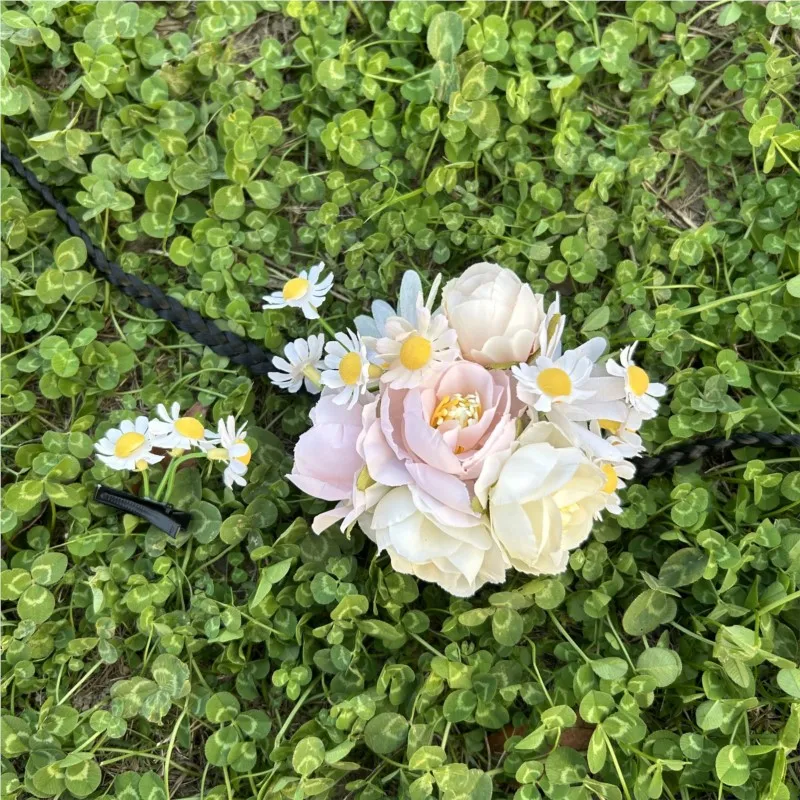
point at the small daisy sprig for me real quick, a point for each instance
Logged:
(136, 446)
(307, 292)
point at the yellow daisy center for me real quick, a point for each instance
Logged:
(128, 444)
(415, 352)
(245, 459)
(376, 371)
(189, 427)
(610, 425)
(638, 380)
(554, 382)
(350, 369)
(465, 409)
(295, 288)
(612, 481)
(142, 465)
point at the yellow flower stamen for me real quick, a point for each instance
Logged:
(142, 465)
(638, 380)
(350, 369)
(245, 459)
(465, 409)
(554, 382)
(375, 371)
(128, 444)
(364, 480)
(612, 480)
(415, 352)
(610, 425)
(189, 427)
(295, 288)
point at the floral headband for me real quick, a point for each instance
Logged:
(461, 439)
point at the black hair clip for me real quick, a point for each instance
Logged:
(163, 515)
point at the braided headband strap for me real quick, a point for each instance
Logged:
(203, 330)
(259, 361)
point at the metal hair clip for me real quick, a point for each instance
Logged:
(163, 515)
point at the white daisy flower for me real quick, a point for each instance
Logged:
(640, 393)
(348, 368)
(179, 432)
(130, 446)
(570, 385)
(622, 435)
(413, 352)
(233, 450)
(551, 330)
(303, 364)
(307, 291)
(408, 299)
(616, 474)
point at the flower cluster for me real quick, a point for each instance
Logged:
(463, 439)
(139, 444)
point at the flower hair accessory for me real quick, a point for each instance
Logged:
(463, 439)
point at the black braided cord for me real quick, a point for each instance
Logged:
(259, 361)
(205, 331)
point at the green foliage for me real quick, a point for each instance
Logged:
(642, 158)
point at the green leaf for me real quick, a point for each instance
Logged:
(663, 665)
(48, 568)
(445, 35)
(36, 604)
(386, 733)
(172, 675)
(331, 74)
(83, 778)
(222, 707)
(682, 85)
(648, 611)
(789, 680)
(596, 320)
(683, 567)
(507, 626)
(70, 254)
(308, 755)
(732, 765)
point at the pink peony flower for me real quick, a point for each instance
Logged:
(325, 457)
(434, 438)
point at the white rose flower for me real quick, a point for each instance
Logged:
(460, 560)
(543, 497)
(496, 316)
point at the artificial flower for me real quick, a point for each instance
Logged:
(307, 292)
(374, 326)
(459, 559)
(640, 392)
(435, 437)
(543, 495)
(551, 330)
(325, 456)
(616, 473)
(302, 365)
(348, 368)
(413, 353)
(179, 432)
(496, 316)
(130, 446)
(569, 384)
(233, 451)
